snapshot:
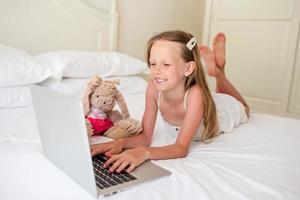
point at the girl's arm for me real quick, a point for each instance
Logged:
(191, 122)
(142, 139)
(148, 121)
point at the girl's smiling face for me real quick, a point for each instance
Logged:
(167, 67)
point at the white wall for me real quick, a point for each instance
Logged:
(139, 20)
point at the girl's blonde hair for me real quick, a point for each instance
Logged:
(210, 122)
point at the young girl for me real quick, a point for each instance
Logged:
(178, 90)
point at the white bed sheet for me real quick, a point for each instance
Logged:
(259, 160)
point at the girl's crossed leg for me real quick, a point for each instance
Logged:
(215, 62)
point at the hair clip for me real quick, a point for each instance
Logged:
(191, 44)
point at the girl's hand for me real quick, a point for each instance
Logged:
(107, 148)
(130, 158)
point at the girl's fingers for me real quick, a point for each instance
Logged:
(116, 164)
(108, 154)
(93, 147)
(122, 166)
(110, 161)
(131, 167)
(96, 150)
(100, 148)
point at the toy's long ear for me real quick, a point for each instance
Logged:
(122, 104)
(91, 85)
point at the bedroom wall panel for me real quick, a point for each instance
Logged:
(262, 38)
(294, 104)
(140, 20)
(41, 26)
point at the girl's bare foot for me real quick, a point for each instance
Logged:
(209, 59)
(219, 50)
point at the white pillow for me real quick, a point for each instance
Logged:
(15, 97)
(131, 85)
(84, 64)
(19, 68)
(75, 86)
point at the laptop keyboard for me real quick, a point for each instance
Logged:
(105, 178)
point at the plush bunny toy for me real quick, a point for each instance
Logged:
(99, 100)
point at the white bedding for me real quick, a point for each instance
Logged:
(259, 160)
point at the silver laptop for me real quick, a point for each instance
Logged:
(65, 142)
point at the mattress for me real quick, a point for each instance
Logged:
(258, 160)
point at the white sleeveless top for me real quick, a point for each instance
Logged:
(230, 114)
(174, 130)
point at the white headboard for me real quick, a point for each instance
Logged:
(39, 26)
